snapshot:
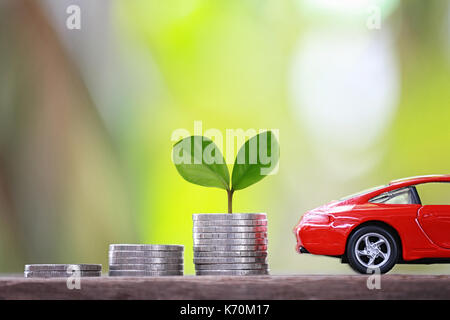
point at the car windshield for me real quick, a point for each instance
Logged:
(362, 192)
(406, 195)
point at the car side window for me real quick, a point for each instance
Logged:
(400, 196)
(434, 193)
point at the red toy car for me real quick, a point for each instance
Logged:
(380, 227)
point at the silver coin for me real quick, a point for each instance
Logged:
(226, 260)
(229, 229)
(146, 254)
(232, 266)
(231, 272)
(146, 267)
(140, 247)
(141, 273)
(62, 267)
(228, 216)
(231, 235)
(228, 223)
(230, 241)
(199, 248)
(237, 254)
(60, 274)
(145, 260)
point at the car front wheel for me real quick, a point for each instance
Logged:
(372, 248)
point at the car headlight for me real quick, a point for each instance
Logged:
(315, 218)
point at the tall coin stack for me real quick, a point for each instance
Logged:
(145, 260)
(230, 244)
(62, 270)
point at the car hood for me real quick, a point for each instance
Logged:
(334, 206)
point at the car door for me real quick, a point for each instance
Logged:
(434, 215)
(435, 222)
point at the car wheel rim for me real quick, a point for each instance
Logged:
(372, 250)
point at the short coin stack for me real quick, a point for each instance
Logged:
(230, 244)
(62, 270)
(145, 260)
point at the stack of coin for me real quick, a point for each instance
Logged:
(62, 270)
(145, 260)
(230, 244)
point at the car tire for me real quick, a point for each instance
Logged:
(372, 248)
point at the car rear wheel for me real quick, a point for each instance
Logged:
(372, 248)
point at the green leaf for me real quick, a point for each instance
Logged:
(257, 158)
(198, 160)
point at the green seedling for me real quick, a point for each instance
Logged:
(199, 161)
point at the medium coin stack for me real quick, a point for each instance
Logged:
(230, 244)
(62, 270)
(145, 260)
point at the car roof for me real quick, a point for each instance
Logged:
(421, 179)
(405, 182)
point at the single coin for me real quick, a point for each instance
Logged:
(145, 260)
(228, 216)
(60, 274)
(62, 267)
(229, 223)
(146, 254)
(226, 260)
(141, 273)
(198, 248)
(231, 272)
(147, 267)
(230, 235)
(140, 247)
(230, 241)
(204, 254)
(232, 266)
(222, 229)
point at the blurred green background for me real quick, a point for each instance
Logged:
(86, 116)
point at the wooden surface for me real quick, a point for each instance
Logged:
(208, 287)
